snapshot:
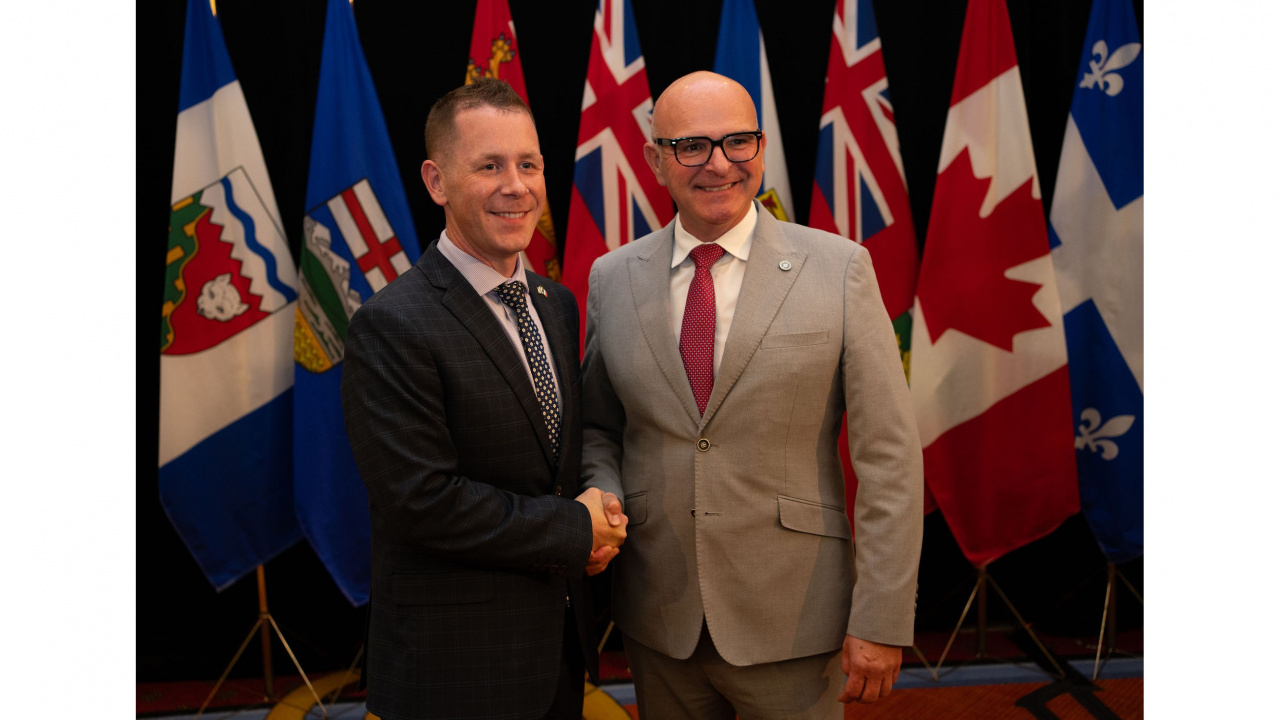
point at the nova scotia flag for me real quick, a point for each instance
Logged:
(1096, 236)
(740, 55)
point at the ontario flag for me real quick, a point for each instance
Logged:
(859, 188)
(989, 363)
(1096, 234)
(226, 370)
(616, 198)
(357, 237)
(740, 55)
(494, 54)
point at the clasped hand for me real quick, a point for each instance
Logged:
(608, 527)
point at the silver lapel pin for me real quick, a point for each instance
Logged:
(541, 291)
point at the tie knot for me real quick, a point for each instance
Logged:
(512, 293)
(706, 254)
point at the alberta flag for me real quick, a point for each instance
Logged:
(740, 55)
(357, 237)
(616, 198)
(1096, 234)
(495, 53)
(988, 360)
(226, 410)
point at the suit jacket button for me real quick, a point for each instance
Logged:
(704, 444)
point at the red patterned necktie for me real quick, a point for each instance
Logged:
(698, 329)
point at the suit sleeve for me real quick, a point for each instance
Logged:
(392, 398)
(603, 417)
(884, 446)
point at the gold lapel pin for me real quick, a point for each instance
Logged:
(541, 291)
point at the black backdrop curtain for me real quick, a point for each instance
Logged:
(417, 52)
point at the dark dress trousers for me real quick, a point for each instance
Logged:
(478, 545)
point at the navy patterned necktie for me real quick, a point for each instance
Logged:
(544, 387)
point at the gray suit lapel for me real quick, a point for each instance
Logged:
(474, 314)
(651, 290)
(764, 287)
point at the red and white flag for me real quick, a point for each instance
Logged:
(494, 54)
(989, 361)
(616, 198)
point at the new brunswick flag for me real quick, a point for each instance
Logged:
(494, 53)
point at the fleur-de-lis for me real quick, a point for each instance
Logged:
(1092, 436)
(1102, 68)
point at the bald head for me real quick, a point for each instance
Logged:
(714, 196)
(695, 91)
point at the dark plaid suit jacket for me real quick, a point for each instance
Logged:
(477, 541)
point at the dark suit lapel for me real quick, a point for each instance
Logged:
(764, 287)
(474, 314)
(651, 289)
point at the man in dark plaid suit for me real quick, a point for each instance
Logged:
(461, 396)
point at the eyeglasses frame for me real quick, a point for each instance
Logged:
(671, 143)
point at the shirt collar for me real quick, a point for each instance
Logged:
(481, 277)
(736, 241)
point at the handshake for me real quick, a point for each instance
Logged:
(608, 527)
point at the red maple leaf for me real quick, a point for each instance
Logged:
(962, 283)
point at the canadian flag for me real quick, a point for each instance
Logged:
(989, 362)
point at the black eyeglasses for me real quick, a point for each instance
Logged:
(696, 151)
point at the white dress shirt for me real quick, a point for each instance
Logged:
(726, 275)
(485, 280)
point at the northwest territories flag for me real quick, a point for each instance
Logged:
(740, 55)
(227, 323)
(1096, 235)
(989, 374)
(616, 198)
(357, 237)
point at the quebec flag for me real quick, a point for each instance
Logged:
(357, 236)
(226, 409)
(740, 55)
(1096, 236)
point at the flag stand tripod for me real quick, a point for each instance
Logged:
(980, 592)
(1108, 629)
(268, 679)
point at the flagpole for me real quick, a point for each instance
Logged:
(264, 620)
(268, 676)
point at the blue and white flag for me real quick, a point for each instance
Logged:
(226, 409)
(1096, 236)
(740, 55)
(357, 237)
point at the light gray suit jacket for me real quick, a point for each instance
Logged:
(739, 515)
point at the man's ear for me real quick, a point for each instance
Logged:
(654, 160)
(433, 178)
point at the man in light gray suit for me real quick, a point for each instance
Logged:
(721, 352)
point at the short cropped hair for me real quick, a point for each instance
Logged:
(482, 92)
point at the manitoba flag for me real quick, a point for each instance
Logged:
(616, 198)
(989, 363)
(494, 54)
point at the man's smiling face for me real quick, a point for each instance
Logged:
(490, 183)
(713, 197)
